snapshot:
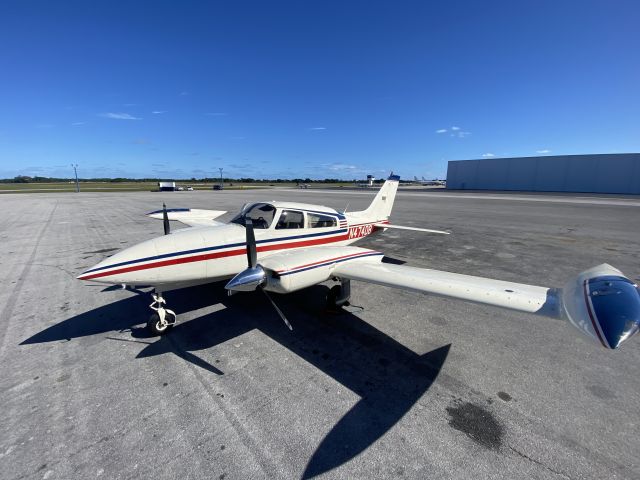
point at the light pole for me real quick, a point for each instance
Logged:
(75, 170)
(221, 182)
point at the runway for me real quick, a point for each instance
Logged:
(400, 385)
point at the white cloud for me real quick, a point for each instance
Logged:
(543, 151)
(158, 112)
(488, 154)
(318, 128)
(339, 167)
(184, 93)
(119, 116)
(454, 132)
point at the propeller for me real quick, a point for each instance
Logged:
(254, 276)
(165, 219)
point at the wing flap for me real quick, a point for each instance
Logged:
(193, 217)
(515, 296)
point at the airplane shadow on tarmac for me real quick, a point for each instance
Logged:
(388, 377)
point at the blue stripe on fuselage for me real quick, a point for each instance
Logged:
(208, 249)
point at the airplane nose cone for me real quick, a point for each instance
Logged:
(616, 308)
(122, 266)
(101, 271)
(87, 273)
(179, 257)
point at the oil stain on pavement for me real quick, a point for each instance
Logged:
(477, 423)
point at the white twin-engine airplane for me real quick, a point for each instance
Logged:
(291, 246)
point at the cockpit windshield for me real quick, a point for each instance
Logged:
(261, 214)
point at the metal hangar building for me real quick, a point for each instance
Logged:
(600, 173)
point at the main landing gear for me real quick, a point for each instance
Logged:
(162, 319)
(339, 295)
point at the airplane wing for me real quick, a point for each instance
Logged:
(600, 302)
(515, 296)
(193, 217)
(295, 269)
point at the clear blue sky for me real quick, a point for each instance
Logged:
(311, 88)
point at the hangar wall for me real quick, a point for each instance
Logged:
(602, 173)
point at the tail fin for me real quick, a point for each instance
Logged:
(380, 208)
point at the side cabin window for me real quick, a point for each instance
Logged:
(290, 219)
(317, 220)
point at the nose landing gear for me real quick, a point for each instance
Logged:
(162, 319)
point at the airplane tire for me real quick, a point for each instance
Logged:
(332, 298)
(154, 325)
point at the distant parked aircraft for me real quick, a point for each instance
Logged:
(434, 182)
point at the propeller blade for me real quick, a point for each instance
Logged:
(254, 276)
(284, 319)
(165, 220)
(252, 255)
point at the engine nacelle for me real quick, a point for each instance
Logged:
(300, 269)
(603, 304)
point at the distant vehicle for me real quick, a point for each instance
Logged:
(166, 186)
(180, 189)
(304, 185)
(217, 187)
(190, 188)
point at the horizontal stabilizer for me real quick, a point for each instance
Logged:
(194, 217)
(415, 229)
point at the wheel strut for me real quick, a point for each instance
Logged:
(164, 318)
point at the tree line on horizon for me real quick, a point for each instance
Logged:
(39, 179)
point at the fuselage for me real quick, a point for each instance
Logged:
(208, 254)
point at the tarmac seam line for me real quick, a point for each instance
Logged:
(7, 311)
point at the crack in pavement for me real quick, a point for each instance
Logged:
(527, 457)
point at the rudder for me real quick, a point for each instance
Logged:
(381, 206)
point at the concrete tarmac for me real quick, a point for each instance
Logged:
(399, 385)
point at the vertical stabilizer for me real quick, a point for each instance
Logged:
(380, 208)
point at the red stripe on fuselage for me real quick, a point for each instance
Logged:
(211, 256)
(228, 253)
